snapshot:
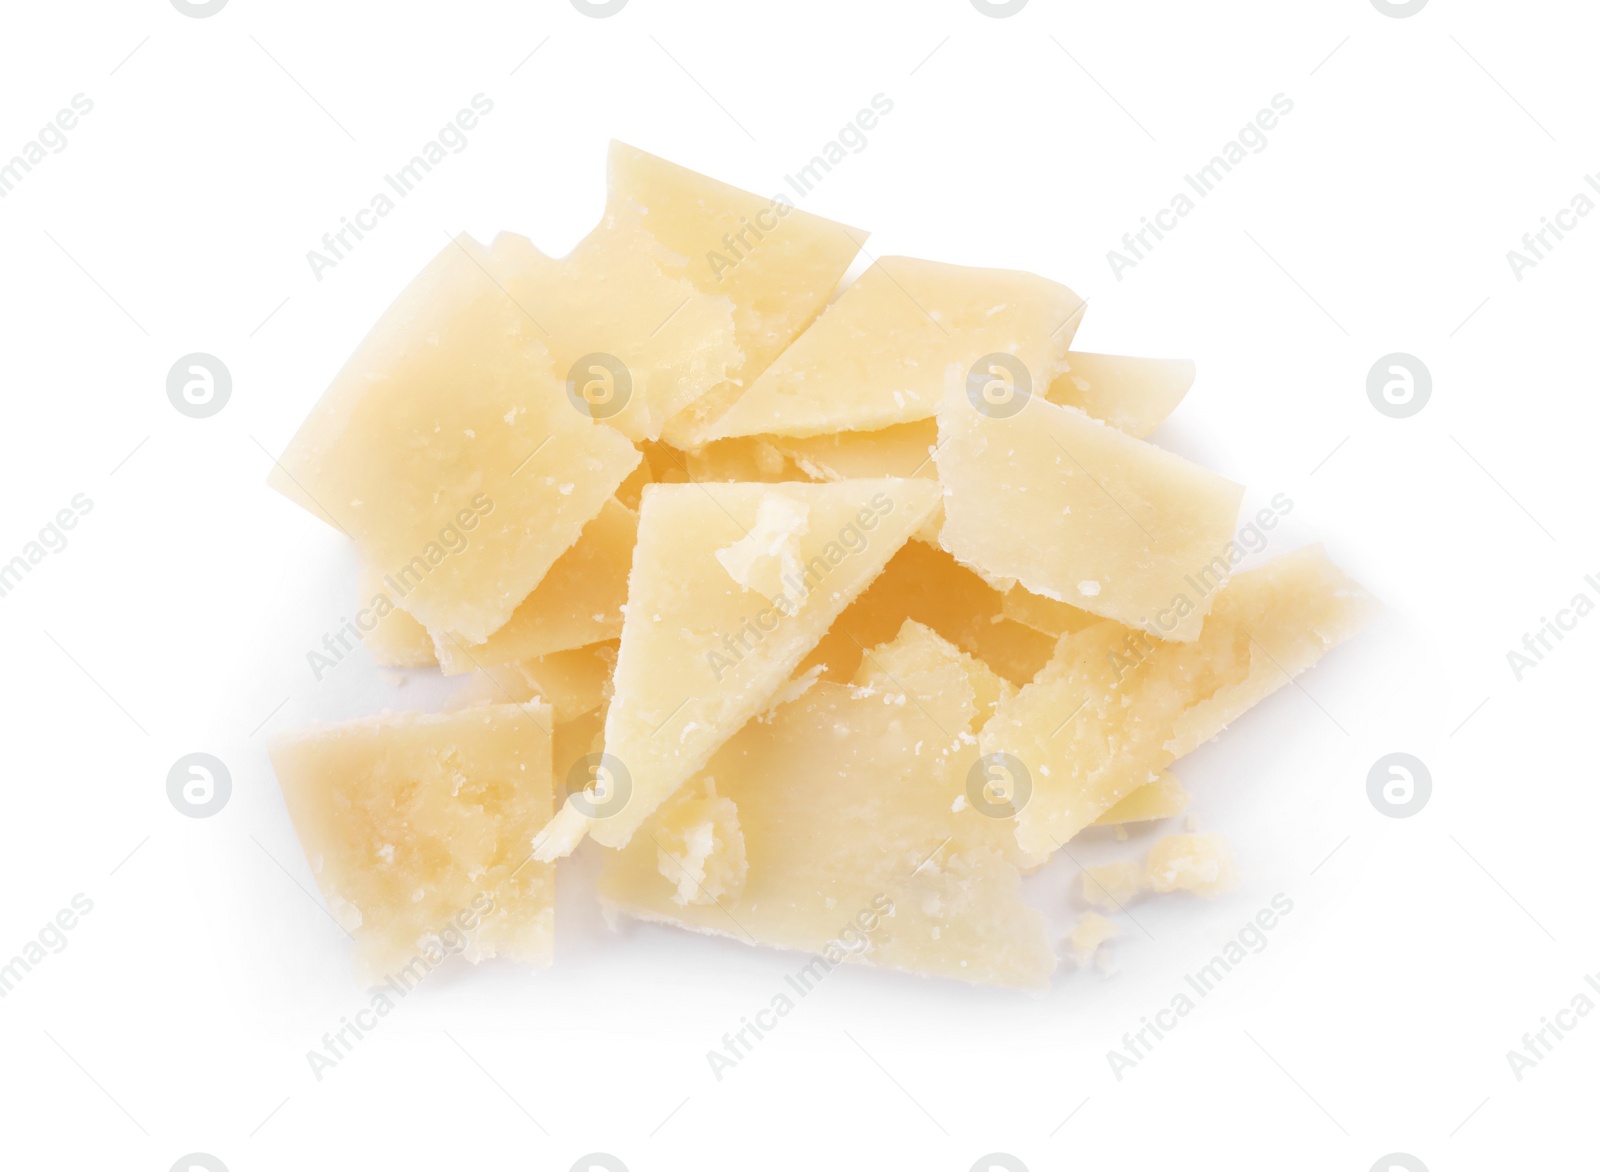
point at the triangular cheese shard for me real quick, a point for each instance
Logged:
(419, 829)
(732, 585)
(450, 452)
(1133, 395)
(778, 265)
(1081, 513)
(861, 831)
(579, 602)
(633, 344)
(877, 356)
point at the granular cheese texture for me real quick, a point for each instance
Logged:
(830, 613)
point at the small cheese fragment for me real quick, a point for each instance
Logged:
(701, 652)
(768, 557)
(1081, 513)
(396, 639)
(877, 356)
(419, 829)
(1164, 797)
(1112, 885)
(1092, 931)
(1201, 863)
(904, 450)
(776, 264)
(699, 846)
(579, 602)
(447, 449)
(909, 665)
(1296, 608)
(858, 848)
(1091, 727)
(1134, 395)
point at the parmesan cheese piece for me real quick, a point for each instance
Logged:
(776, 264)
(1081, 513)
(1164, 797)
(1295, 608)
(418, 826)
(753, 458)
(579, 602)
(1201, 863)
(857, 847)
(702, 653)
(1134, 395)
(1045, 615)
(911, 663)
(877, 356)
(1092, 931)
(448, 450)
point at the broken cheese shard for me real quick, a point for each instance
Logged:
(1201, 863)
(1164, 797)
(447, 449)
(768, 556)
(1092, 931)
(753, 458)
(1045, 615)
(1295, 608)
(1081, 513)
(579, 602)
(877, 356)
(418, 829)
(634, 344)
(776, 264)
(702, 654)
(1134, 395)
(857, 846)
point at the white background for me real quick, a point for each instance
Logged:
(177, 219)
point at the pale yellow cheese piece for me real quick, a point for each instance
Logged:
(1112, 885)
(572, 682)
(925, 583)
(1295, 608)
(1092, 931)
(916, 655)
(1091, 728)
(903, 450)
(419, 830)
(877, 356)
(1081, 513)
(396, 639)
(449, 451)
(1164, 797)
(778, 265)
(633, 344)
(752, 458)
(861, 845)
(702, 651)
(579, 602)
(1134, 395)
(1201, 863)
